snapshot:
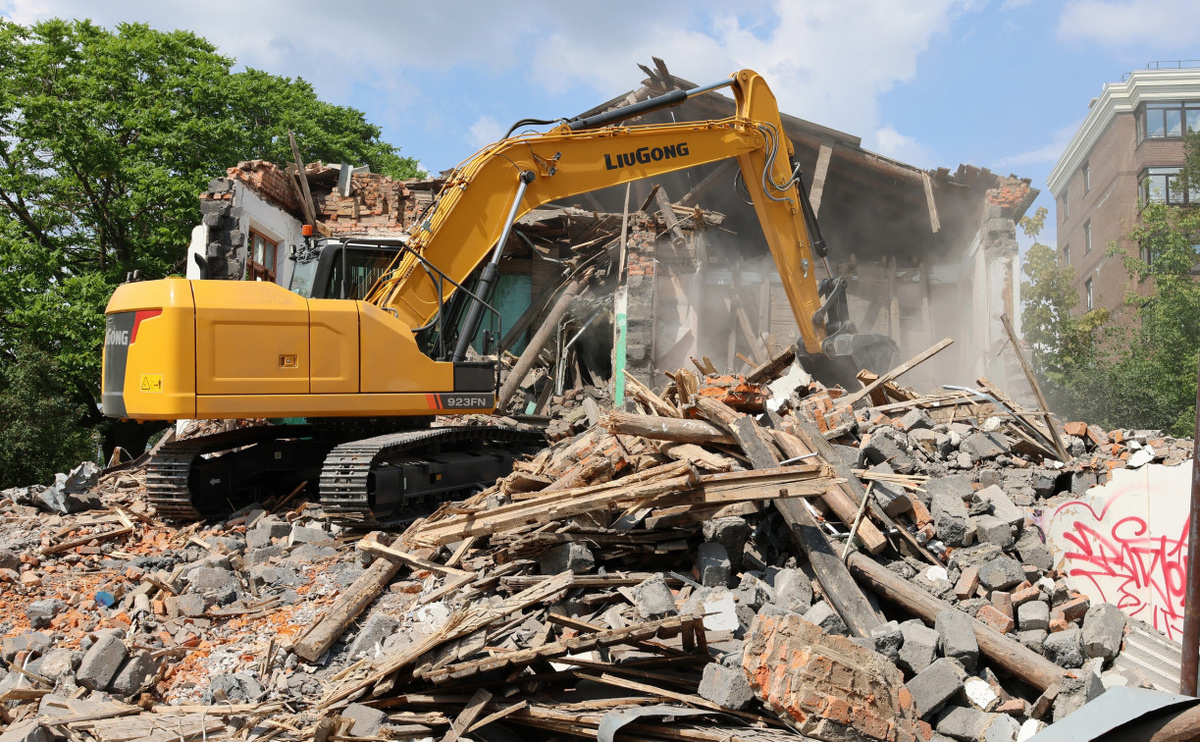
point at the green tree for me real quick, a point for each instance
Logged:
(106, 138)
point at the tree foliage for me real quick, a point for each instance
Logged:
(1136, 369)
(106, 139)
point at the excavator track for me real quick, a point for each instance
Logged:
(366, 479)
(169, 472)
(349, 485)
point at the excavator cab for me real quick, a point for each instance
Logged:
(340, 269)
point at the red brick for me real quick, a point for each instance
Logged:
(967, 583)
(1076, 429)
(997, 620)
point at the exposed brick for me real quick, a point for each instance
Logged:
(826, 684)
(997, 620)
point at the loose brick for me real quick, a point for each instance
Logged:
(997, 620)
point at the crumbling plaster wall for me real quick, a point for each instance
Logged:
(229, 212)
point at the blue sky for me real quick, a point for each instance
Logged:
(1001, 84)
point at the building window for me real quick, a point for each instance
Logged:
(1066, 256)
(261, 263)
(1087, 177)
(1167, 120)
(1160, 185)
(1087, 237)
(1087, 287)
(1065, 205)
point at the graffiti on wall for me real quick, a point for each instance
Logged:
(1125, 543)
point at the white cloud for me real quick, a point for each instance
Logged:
(484, 131)
(1161, 23)
(1045, 154)
(826, 60)
(891, 143)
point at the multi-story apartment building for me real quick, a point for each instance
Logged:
(1125, 154)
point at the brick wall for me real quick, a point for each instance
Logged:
(1111, 206)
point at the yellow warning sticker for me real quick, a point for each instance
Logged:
(152, 383)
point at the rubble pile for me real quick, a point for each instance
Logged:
(727, 562)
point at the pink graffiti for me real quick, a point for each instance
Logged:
(1144, 575)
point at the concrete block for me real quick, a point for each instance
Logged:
(712, 565)
(134, 674)
(309, 535)
(41, 612)
(984, 446)
(1032, 551)
(956, 637)
(60, 661)
(935, 685)
(951, 518)
(725, 686)
(1001, 506)
(576, 557)
(653, 599)
(920, 646)
(265, 531)
(884, 446)
(368, 721)
(237, 687)
(822, 614)
(1065, 648)
(191, 605)
(992, 530)
(370, 639)
(888, 639)
(1103, 631)
(732, 533)
(1073, 693)
(1001, 573)
(35, 642)
(917, 419)
(1033, 615)
(962, 723)
(793, 590)
(101, 663)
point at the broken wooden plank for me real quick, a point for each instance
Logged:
(680, 430)
(925, 355)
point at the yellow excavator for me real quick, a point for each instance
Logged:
(209, 349)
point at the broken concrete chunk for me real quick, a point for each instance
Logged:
(1073, 693)
(888, 639)
(238, 687)
(101, 663)
(732, 533)
(935, 685)
(984, 446)
(962, 723)
(712, 565)
(133, 676)
(1032, 551)
(41, 612)
(265, 532)
(575, 556)
(951, 518)
(1065, 648)
(725, 686)
(368, 721)
(919, 648)
(980, 694)
(822, 614)
(30, 730)
(956, 637)
(653, 598)
(914, 420)
(992, 530)
(1002, 507)
(1001, 573)
(883, 447)
(370, 639)
(1103, 631)
(1033, 615)
(793, 590)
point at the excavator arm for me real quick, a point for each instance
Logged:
(516, 175)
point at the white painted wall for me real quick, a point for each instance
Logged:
(272, 222)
